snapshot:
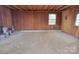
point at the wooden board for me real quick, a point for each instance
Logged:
(68, 25)
(38, 7)
(34, 20)
(5, 17)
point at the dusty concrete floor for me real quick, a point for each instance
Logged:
(39, 42)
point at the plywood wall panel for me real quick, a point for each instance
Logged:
(0, 16)
(33, 20)
(5, 17)
(69, 24)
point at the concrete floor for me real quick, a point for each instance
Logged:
(28, 42)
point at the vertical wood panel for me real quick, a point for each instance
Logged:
(69, 24)
(34, 20)
(5, 17)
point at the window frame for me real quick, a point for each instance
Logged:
(76, 19)
(55, 19)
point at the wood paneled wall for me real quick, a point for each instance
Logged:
(5, 17)
(68, 21)
(38, 20)
(34, 20)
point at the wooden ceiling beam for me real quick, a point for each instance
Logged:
(30, 7)
(21, 7)
(38, 7)
(26, 7)
(16, 6)
(53, 9)
(10, 7)
(45, 7)
(65, 7)
(41, 7)
(59, 6)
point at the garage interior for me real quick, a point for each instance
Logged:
(39, 29)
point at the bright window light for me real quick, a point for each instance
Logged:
(77, 20)
(52, 19)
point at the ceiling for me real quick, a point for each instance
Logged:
(38, 7)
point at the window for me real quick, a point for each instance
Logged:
(52, 19)
(77, 20)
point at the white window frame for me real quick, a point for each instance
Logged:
(77, 20)
(50, 19)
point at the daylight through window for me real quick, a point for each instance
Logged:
(52, 19)
(77, 20)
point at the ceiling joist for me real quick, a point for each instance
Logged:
(38, 7)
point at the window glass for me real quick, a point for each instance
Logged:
(77, 20)
(52, 19)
